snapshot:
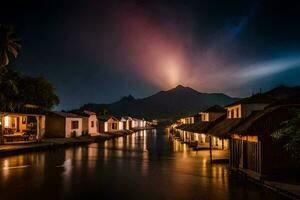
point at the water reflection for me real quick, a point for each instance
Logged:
(144, 165)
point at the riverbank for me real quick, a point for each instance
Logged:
(286, 190)
(52, 143)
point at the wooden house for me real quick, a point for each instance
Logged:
(63, 125)
(254, 152)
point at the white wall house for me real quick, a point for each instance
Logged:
(138, 123)
(128, 122)
(63, 124)
(91, 123)
(73, 127)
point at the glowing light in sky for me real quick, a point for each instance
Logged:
(166, 56)
(268, 68)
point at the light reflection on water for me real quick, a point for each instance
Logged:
(144, 165)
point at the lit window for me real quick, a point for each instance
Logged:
(6, 121)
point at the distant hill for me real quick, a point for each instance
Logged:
(282, 92)
(177, 102)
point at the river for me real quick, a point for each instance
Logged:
(144, 165)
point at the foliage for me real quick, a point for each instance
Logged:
(290, 135)
(17, 89)
(37, 91)
(9, 44)
(9, 80)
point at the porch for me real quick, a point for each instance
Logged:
(22, 128)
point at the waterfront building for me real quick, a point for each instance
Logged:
(127, 122)
(254, 152)
(138, 123)
(23, 124)
(108, 123)
(89, 122)
(63, 125)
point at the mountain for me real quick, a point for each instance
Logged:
(282, 92)
(177, 102)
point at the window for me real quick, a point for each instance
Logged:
(92, 124)
(237, 113)
(23, 120)
(114, 126)
(232, 114)
(74, 125)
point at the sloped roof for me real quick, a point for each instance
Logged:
(106, 117)
(183, 127)
(223, 126)
(255, 99)
(200, 127)
(89, 112)
(83, 113)
(66, 114)
(215, 108)
(265, 122)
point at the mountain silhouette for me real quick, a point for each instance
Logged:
(177, 102)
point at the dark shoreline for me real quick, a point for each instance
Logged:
(55, 143)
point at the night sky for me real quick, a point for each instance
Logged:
(95, 51)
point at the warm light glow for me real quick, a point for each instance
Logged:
(6, 120)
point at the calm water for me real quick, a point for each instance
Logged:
(144, 165)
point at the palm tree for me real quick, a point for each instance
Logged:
(9, 44)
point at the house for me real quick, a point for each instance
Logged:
(138, 123)
(221, 127)
(127, 122)
(244, 107)
(187, 120)
(254, 152)
(197, 133)
(63, 125)
(212, 113)
(89, 122)
(23, 124)
(197, 118)
(108, 123)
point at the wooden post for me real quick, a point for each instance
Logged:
(1, 129)
(210, 149)
(222, 144)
